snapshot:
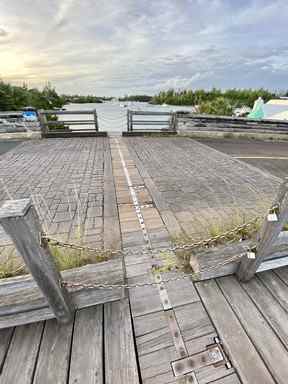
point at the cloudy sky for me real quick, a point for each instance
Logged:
(115, 47)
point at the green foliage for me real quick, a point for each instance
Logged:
(219, 106)
(236, 97)
(13, 98)
(68, 259)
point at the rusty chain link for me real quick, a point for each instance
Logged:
(72, 285)
(202, 243)
(197, 244)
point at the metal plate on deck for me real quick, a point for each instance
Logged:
(211, 356)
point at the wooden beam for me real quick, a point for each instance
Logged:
(20, 221)
(21, 301)
(268, 235)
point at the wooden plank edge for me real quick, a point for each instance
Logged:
(37, 309)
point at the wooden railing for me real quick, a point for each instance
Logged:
(47, 124)
(148, 121)
(276, 219)
(21, 301)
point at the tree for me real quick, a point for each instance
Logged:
(219, 106)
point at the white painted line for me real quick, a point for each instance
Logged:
(261, 157)
(163, 294)
(134, 197)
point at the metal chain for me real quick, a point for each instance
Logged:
(197, 244)
(215, 239)
(69, 284)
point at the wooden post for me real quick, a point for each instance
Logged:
(267, 236)
(43, 122)
(20, 221)
(128, 121)
(95, 120)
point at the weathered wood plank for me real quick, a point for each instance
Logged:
(276, 286)
(22, 355)
(243, 355)
(20, 221)
(270, 308)
(185, 286)
(5, 337)
(87, 348)
(146, 299)
(193, 321)
(283, 274)
(152, 331)
(53, 360)
(120, 358)
(211, 263)
(231, 379)
(156, 366)
(22, 302)
(267, 343)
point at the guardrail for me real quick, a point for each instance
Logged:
(47, 123)
(197, 123)
(143, 120)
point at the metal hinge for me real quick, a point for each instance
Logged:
(213, 355)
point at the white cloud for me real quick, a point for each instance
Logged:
(108, 47)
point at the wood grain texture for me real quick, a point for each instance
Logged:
(120, 358)
(25, 229)
(267, 236)
(22, 302)
(231, 379)
(22, 355)
(276, 285)
(243, 355)
(269, 307)
(53, 360)
(263, 337)
(5, 338)
(87, 348)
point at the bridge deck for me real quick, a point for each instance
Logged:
(136, 339)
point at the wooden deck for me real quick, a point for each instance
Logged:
(139, 338)
(98, 347)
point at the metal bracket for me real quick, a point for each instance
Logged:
(251, 253)
(273, 213)
(213, 355)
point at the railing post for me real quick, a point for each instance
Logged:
(43, 121)
(267, 236)
(20, 221)
(96, 120)
(129, 120)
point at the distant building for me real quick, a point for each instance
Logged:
(276, 109)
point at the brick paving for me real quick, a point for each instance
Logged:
(66, 181)
(191, 185)
(201, 186)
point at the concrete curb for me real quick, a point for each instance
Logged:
(234, 135)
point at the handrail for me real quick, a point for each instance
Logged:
(171, 121)
(45, 123)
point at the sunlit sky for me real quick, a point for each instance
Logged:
(117, 47)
